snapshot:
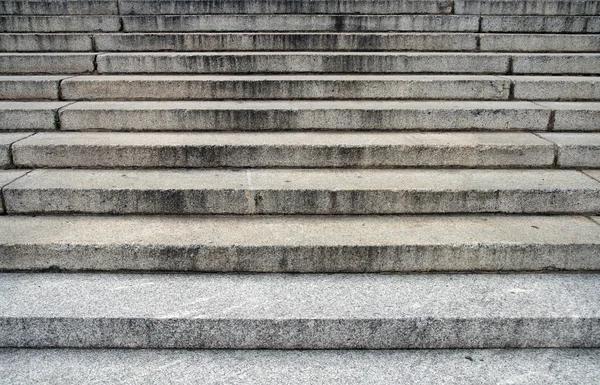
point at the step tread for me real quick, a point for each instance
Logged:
(300, 243)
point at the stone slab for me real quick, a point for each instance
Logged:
(29, 87)
(46, 63)
(527, 7)
(329, 62)
(557, 64)
(300, 311)
(556, 88)
(158, 150)
(6, 140)
(34, 42)
(298, 191)
(582, 116)
(299, 244)
(298, 115)
(206, 87)
(593, 173)
(6, 177)
(59, 7)
(29, 115)
(539, 42)
(286, 41)
(576, 149)
(296, 22)
(88, 23)
(541, 24)
(264, 367)
(195, 7)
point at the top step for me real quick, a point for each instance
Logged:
(191, 7)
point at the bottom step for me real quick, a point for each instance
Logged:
(532, 367)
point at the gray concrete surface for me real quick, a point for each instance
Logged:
(34, 42)
(527, 7)
(298, 191)
(87, 23)
(59, 7)
(148, 150)
(576, 150)
(46, 63)
(556, 88)
(6, 177)
(541, 24)
(539, 42)
(557, 64)
(29, 115)
(299, 311)
(575, 116)
(299, 244)
(29, 87)
(6, 140)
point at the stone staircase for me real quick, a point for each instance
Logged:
(295, 192)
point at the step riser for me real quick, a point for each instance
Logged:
(59, 7)
(47, 63)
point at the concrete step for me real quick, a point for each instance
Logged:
(299, 311)
(297, 22)
(160, 150)
(88, 23)
(288, 41)
(29, 115)
(45, 42)
(47, 63)
(541, 24)
(59, 7)
(6, 177)
(29, 87)
(555, 88)
(268, 367)
(326, 62)
(527, 7)
(325, 115)
(299, 244)
(6, 141)
(303, 191)
(539, 42)
(206, 87)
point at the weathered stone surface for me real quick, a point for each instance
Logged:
(558, 64)
(46, 63)
(270, 23)
(195, 7)
(539, 43)
(576, 150)
(203, 87)
(41, 42)
(312, 149)
(89, 23)
(527, 7)
(298, 115)
(6, 177)
(556, 88)
(286, 41)
(579, 116)
(59, 7)
(303, 191)
(6, 140)
(263, 367)
(330, 62)
(29, 115)
(541, 24)
(299, 244)
(29, 87)
(300, 311)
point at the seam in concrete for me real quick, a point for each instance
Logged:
(509, 69)
(584, 172)
(94, 46)
(2, 198)
(60, 96)
(592, 219)
(479, 24)
(10, 148)
(556, 149)
(57, 122)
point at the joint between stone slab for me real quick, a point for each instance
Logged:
(94, 46)
(478, 43)
(591, 218)
(10, 148)
(60, 97)
(479, 23)
(555, 146)
(57, 122)
(588, 175)
(509, 67)
(2, 198)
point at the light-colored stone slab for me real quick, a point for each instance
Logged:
(30, 42)
(286, 41)
(593, 173)
(303, 191)
(295, 22)
(576, 149)
(558, 64)
(556, 88)
(149, 150)
(263, 367)
(88, 23)
(29, 87)
(6, 177)
(298, 115)
(578, 116)
(541, 24)
(313, 62)
(59, 7)
(527, 7)
(300, 244)
(539, 43)
(203, 87)
(6, 140)
(46, 63)
(29, 115)
(300, 311)
(195, 7)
